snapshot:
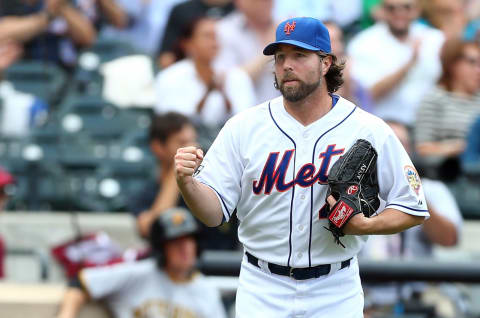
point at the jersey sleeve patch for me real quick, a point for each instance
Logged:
(413, 179)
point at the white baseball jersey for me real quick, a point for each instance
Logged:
(272, 171)
(142, 290)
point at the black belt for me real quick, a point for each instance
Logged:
(297, 273)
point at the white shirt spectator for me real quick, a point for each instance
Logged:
(342, 12)
(377, 53)
(238, 45)
(440, 199)
(141, 289)
(178, 88)
(415, 244)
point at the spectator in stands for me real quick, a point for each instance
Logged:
(193, 88)
(372, 12)
(164, 286)
(445, 223)
(471, 156)
(180, 17)
(5, 180)
(397, 60)
(443, 228)
(147, 22)
(242, 36)
(448, 110)
(103, 12)
(168, 132)
(344, 13)
(452, 18)
(351, 89)
(49, 30)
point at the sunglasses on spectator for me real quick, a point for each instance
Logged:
(397, 7)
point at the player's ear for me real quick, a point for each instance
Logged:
(326, 63)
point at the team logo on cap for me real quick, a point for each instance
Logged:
(289, 27)
(413, 178)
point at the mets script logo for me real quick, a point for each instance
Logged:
(289, 27)
(352, 189)
(273, 174)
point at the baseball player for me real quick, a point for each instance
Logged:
(165, 286)
(270, 165)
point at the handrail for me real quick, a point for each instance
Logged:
(228, 264)
(41, 257)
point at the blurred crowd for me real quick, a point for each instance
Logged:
(97, 95)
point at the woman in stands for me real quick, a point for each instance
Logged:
(447, 112)
(191, 86)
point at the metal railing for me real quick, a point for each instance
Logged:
(228, 264)
(41, 257)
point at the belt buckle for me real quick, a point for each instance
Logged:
(291, 272)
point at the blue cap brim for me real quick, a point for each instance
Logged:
(272, 47)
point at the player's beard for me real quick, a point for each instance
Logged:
(298, 93)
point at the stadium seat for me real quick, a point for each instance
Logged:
(119, 180)
(108, 49)
(467, 192)
(98, 118)
(47, 139)
(42, 79)
(135, 146)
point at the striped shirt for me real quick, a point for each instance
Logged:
(443, 115)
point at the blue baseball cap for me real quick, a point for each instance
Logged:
(308, 33)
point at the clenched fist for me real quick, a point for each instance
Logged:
(187, 161)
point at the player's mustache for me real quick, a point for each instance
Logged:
(289, 77)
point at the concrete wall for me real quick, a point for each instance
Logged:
(42, 231)
(39, 301)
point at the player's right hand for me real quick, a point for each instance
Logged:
(187, 160)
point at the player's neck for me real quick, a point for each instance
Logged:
(311, 108)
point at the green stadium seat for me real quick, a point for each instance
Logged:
(42, 79)
(119, 180)
(109, 49)
(98, 118)
(467, 193)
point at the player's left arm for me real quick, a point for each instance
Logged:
(400, 187)
(390, 221)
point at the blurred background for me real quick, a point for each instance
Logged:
(96, 96)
